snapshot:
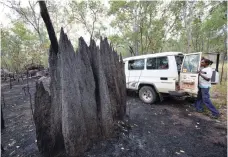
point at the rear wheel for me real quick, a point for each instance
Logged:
(147, 94)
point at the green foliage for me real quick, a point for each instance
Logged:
(11, 45)
(20, 46)
(136, 25)
(207, 23)
(89, 15)
(145, 26)
(169, 26)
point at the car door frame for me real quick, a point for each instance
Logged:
(189, 80)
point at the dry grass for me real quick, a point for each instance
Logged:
(224, 71)
(219, 91)
(219, 94)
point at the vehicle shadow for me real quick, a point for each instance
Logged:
(166, 100)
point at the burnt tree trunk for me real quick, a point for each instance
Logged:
(223, 62)
(2, 121)
(10, 83)
(2, 127)
(86, 99)
(3, 100)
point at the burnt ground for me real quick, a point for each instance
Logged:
(167, 129)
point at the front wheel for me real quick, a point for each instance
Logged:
(147, 94)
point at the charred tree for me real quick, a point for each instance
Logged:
(10, 83)
(2, 121)
(2, 127)
(87, 95)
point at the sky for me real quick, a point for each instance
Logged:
(3, 18)
(75, 32)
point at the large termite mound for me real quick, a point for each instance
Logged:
(87, 97)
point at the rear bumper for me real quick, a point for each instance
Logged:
(178, 93)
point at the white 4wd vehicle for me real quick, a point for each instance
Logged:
(171, 73)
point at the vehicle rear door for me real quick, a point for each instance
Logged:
(189, 73)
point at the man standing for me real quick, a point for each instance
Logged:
(203, 96)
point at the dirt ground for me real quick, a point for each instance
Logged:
(167, 129)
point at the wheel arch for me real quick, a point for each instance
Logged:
(148, 84)
(152, 86)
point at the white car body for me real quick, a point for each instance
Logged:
(164, 79)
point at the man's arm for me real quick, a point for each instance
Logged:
(204, 77)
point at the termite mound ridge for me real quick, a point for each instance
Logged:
(87, 97)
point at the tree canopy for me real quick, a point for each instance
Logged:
(140, 26)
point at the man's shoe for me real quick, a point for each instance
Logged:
(193, 105)
(199, 111)
(214, 116)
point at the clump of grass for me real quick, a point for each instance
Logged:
(221, 92)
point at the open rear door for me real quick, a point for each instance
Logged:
(188, 74)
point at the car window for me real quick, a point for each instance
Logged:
(136, 64)
(151, 63)
(191, 63)
(162, 63)
(157, 63)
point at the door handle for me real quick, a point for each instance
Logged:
(163, 78)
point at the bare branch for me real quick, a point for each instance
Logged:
(34, 14)
(20, 11)
(95, 19)
(48, 23)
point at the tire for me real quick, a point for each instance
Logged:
(147, 94)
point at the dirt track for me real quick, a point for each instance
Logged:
(167, 129)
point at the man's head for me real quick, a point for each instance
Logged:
(205, 62)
